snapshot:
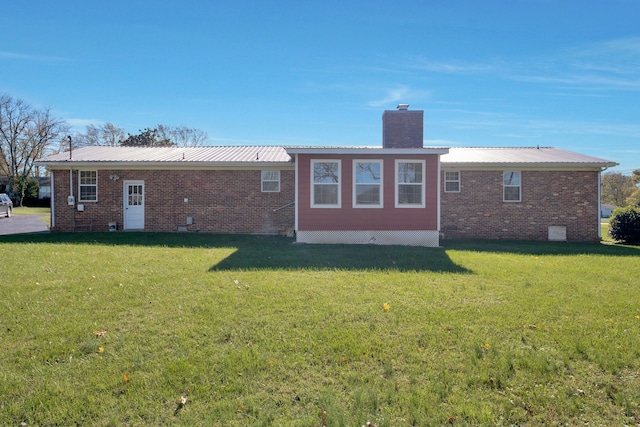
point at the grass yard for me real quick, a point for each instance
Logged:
(112, 329)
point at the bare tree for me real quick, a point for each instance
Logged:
(107, 134)
(182, 136)
(26, 134)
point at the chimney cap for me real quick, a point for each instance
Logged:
(403, 106)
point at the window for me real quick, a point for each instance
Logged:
(410, 184)
(452, 182)
(511, 186)
(367, 176)
(88, 182)
(270, 181)
(325, 183)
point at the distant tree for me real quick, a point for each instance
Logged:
(183, 136)
(26, 134)
(616, 188)
(634, 198)
(107, 134)
(147, 138)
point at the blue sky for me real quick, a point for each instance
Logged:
(556, 73)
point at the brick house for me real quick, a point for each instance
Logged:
(399, 193)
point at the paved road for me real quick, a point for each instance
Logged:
(23, 224)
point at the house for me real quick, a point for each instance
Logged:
(606, 210)
(397, 193)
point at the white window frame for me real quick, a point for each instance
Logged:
(82, 185)
(264, 175)
(505, 185)
(356, 183)
(448, 181)
(422, 183)
(338, 184)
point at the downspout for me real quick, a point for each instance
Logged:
(295, 197)
(438, 199)
(602, 169)
(52, 202)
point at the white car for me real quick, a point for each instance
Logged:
(6, 205)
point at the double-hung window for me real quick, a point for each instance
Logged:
(452, 182)
(88, 186)
(270, 181)
(367, 188)
(511, 186)
(325, 183)
(410, 183)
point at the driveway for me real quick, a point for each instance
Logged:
(23, 224)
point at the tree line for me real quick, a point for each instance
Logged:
(28, 133)
(621, 190)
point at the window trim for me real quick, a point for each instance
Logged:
(446, 181)
(263, 181)
(505, 186)
(81, 185)
(422, 203)
(312, 184)
(380, 203)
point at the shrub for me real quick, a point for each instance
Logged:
(624, 225)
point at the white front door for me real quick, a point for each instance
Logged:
(133, 205)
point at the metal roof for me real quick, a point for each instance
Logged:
(524, 156)
(164, 155)
(238, 156)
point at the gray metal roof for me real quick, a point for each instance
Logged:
(525, 156)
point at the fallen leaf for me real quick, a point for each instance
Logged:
(100, 333)
(125, 377)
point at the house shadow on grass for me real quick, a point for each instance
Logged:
(293, 256)
(267, 252)
(525, 247)
(275, 252)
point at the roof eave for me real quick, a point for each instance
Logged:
(529, 166)
(375, 151)
(160, 165)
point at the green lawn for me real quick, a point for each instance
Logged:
(111, 329)
(25, 210)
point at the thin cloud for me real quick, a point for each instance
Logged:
(608, 65)
(396, 94)
(424, 64)
(30, 57)
(81, 124)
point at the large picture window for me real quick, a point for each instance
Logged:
(325, 183)
(452, 182)
(511, 186)
(88, 186)
(410, 183)
(270, 181)
(367, 176)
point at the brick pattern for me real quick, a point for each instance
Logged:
(219, 201)
(549, 198)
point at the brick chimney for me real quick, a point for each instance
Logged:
(402, 128)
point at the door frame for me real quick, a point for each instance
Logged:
(125, 202)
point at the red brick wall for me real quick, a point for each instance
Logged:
(220, 201)
(549, 198)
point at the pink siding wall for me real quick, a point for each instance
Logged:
(348, 218)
